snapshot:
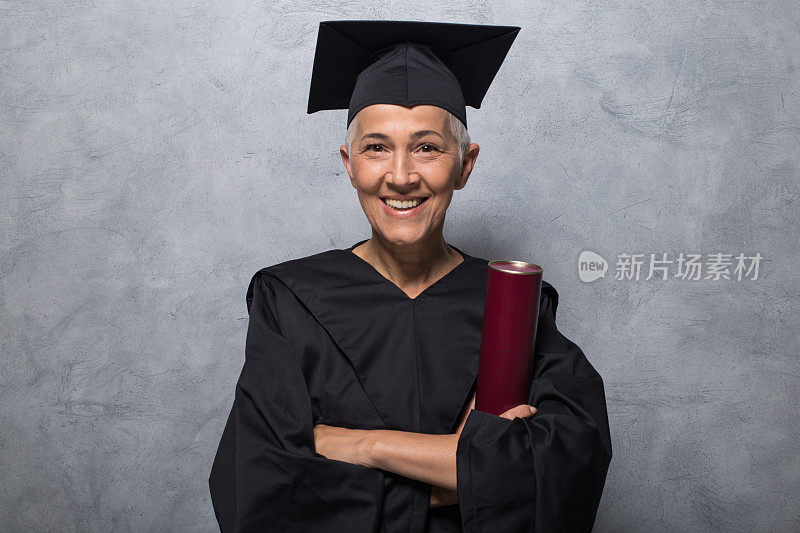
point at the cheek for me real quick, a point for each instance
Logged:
(441, 181)
(370, 205)
(367, 175)
(444, 200)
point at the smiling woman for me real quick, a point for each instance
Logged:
(405, 163)
(354, 410)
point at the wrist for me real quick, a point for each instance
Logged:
(368, 448)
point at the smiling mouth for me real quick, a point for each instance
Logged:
(403, 205)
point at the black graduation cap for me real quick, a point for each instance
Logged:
(363, 62)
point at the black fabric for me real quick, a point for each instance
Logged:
(330, 340)
(363, 62)
(408, 74)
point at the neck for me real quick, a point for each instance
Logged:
(410, 266)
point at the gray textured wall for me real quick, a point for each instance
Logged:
(153, 156)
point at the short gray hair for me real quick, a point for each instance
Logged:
(457, 128)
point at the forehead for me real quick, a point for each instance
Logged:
(401, 118)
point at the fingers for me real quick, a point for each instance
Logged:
(521, 411)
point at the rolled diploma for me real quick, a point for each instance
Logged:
(508, 336)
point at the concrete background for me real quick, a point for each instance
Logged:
(154, 155)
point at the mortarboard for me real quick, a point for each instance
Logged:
(362, 62)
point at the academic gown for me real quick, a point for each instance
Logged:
(330, 340)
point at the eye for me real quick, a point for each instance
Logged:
(376, 148)
(428, 148)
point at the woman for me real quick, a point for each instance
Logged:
(354, 409)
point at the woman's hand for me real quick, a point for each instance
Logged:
(522, 411)
(342, 444)
(441, 496)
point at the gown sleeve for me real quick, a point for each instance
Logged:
(266, 474)
(545, 472)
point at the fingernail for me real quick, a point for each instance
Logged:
(533, 409)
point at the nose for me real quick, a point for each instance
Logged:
(402, 172)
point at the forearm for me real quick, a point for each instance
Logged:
(427, 458)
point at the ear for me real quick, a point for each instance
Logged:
(346, 161)
(467, 166)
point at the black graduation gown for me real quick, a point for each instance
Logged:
(330, 340)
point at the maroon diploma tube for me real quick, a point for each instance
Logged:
(510, 317)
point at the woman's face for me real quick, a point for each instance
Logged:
(407, 155)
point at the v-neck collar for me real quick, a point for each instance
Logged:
(363, 263)
(416, 358)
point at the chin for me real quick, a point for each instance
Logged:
(403, 238)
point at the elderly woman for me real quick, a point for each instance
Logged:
(354, 409)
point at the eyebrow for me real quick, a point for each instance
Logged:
(422, 133)
(415, 135)
(380, 136)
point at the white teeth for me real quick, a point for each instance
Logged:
(402, 204)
